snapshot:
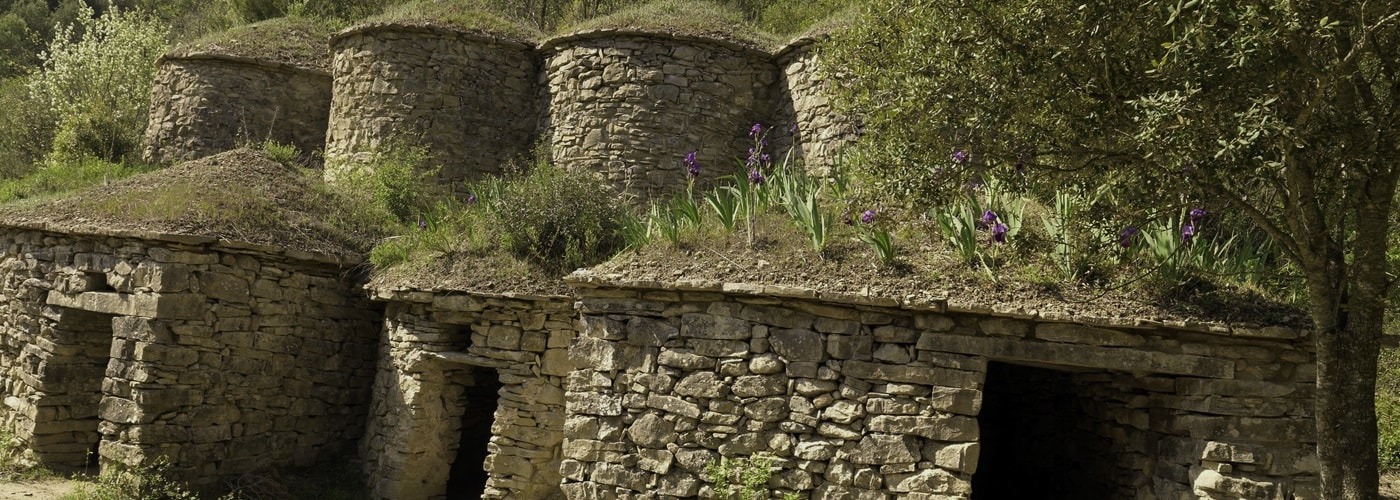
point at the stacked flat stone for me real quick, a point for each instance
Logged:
(205, 103)
(861, 397)
(434, 347)
(629, 105)
(805, 120)
(471, 100)
(224, 359)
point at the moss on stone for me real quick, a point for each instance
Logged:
(683, 17)
(290, 40)
(463, 15)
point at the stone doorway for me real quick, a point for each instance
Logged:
(1054, 434)
(480, 398)
(66, 431)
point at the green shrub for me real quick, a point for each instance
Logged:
(149, 482)
(98, 85)
(398, 180)
(26, 128)
(558, 220)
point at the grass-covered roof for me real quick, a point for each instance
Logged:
(241, 196)
(290, 40)
(697, 18)
(464, 15)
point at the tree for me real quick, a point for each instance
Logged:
(1284, 112)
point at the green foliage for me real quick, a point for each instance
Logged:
(556, 219)
(341, 10)
(286, 154)
(26, 128)
(398, 181)
(880, 242)
(66, 175)
(98, 85)
(726, 202)
(800, 195)
(146, 482)
(742, 478)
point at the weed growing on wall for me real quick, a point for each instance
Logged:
(743, 478)
(146, 482)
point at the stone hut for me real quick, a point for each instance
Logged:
(629, 104)
(469, 400)
(805, 118)
(267, 81)
(469, 96)
(130, 339)
(858, 396)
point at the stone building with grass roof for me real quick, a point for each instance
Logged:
(267, 81)
(207, 315)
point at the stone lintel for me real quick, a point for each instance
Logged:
(1085, 356)
(145, 305)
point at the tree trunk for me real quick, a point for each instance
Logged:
(1346, 410)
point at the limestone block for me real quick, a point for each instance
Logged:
(932, 481)
(1079, 334)
(650, 332)
(146, 305)
(797, 345)
(760, 385)
(885, 449)
(939, 428)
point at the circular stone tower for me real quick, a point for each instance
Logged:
(821, 131)
(629, 104)
(467, 95)
(268, 81)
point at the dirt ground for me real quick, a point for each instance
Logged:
(36, 490)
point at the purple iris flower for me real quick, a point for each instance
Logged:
(471, 198)
(999, 233)
(868, 216)
(1187, 232)
(1125, 238)
(692, 165)
(755, 177)
(1197, 214)
(961, 157)
(755, 130)
(988, 217)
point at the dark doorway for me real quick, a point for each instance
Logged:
(1039, 438)
(468, 479)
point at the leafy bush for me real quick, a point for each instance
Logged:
(98, 85)
(398, 180)
(556, 219)
(26, 128)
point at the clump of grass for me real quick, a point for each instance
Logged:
(549, 219)
(147, 482)
(684, 17)
(298, 41)
(59, 176)
(466, 15)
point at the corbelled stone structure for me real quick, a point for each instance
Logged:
(816, 132)
(630, 105)
(207, 102)
(222, 358)
(473, 381)
(470, 99)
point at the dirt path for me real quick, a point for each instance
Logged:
(36, 490)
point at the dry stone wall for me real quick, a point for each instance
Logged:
(472, 101)
(222, 358)
(205, 103)
(629, 106)
(805, 119)
(860, 397)
(436, 348)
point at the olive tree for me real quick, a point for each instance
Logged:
(1282, 112)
